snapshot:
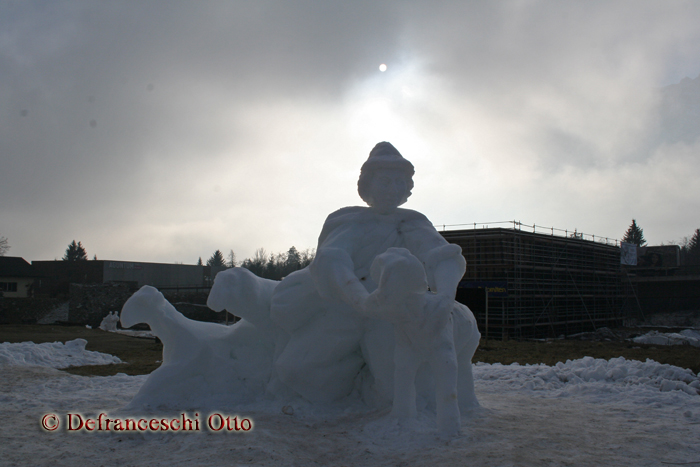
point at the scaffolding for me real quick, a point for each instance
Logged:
(547, 284)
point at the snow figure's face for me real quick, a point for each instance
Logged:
(387, 190)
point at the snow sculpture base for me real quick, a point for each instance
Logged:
(209, 365)
(357, 325)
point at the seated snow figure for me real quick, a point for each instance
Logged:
(423, 332)
(334, 346)
(313, 334)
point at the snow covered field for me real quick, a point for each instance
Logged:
(585, 412)
(685, 337)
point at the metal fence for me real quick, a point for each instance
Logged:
(533, 228)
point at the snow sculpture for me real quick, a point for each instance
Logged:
(422, 330)
(326, 333)
(109, 322)
(204, 364)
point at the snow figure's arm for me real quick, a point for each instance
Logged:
(444, 263)
(334, 276)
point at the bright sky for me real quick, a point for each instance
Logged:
(160, 131)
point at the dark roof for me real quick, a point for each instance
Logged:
(14, 266)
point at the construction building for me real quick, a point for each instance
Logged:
(521, 283)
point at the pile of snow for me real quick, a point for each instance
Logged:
(685, 337)
(596, 412)
(572, 376)
(53, 354)
(109, 322)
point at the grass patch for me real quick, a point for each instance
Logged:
(142, 356)
(554, 351)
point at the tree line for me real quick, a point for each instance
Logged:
(270, 266)
(273, 266)
(278, 265)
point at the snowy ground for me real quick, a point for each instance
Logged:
(684, 337)
(585, 412)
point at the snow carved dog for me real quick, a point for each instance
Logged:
(423, 331)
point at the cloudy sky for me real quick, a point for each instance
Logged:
(162, 131)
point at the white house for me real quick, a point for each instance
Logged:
(16, 277)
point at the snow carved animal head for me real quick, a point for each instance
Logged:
(242, 293)
(398, 273)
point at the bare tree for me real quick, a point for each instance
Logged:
(4, 247)
(257, 263)
(231, 259)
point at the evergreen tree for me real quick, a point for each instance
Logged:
(293, 260)
(271, 269)
(75, 252)
(199, 261)
(692, 249)
(4, 247)
(288, 263)
(634, 235)
(217, 259)
(694, 243)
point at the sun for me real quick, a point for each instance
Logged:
(382, 67)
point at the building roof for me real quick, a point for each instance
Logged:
(14, 266)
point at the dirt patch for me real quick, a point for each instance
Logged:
(144, 355)
(551, 352)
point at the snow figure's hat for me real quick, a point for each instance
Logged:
(386, 156)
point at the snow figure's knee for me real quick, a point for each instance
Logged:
(243, 294)
(313, 383)
(466, 331)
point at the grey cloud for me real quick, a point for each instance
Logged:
(97, 86)
(580, 77)
(102, 97)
